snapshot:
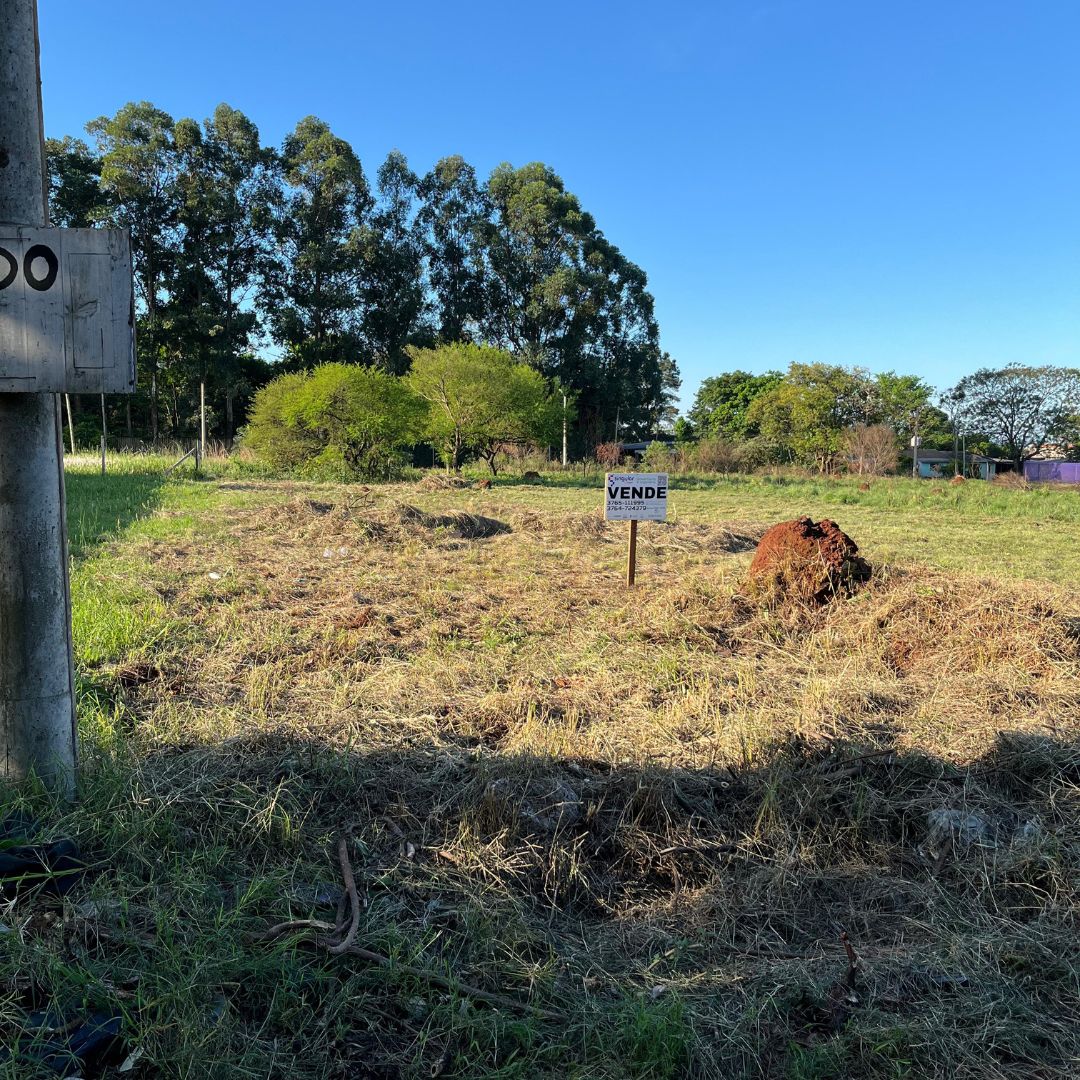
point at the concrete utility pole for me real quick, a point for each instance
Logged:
(37, 701)
(565, 457)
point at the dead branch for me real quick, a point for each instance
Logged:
(337, 947)
(345, 946)
(853, 960)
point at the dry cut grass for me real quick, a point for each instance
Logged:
(689, 834)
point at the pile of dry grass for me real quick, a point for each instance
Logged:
(1012, 479)
(434, 481)
(675, 537)
(362, 520)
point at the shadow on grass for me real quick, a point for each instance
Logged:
(101, 507)
(676, 922)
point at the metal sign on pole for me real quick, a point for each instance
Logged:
(66, 325)
(635, 497)
(67, 311)
(916, 442)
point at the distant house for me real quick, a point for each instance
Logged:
(935, 464)
(637, 449)
(1052, 472)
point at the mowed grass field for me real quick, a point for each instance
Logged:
(594, 832)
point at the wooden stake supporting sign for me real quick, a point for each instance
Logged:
(635, 497)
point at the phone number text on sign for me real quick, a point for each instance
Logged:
(635, 496)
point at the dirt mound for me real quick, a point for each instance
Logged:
(806, 561)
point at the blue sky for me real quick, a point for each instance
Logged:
(889, 184)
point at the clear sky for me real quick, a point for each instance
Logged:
(893, 184)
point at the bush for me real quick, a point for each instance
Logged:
(336, 422)
(871, 449)
(481, 401)
(718, 455)
(609, 455)
(658, 457)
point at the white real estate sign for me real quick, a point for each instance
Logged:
(67, 311)
(635, 496)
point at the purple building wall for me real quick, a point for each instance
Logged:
(1060, 472)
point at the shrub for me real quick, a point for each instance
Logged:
(658, 457)
(482, 400)
(718, 455)
(871, 449)
(609, 455)
(338, 421)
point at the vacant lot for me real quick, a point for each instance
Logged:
(594, 833)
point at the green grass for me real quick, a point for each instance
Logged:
(977, 528)
(743, 783)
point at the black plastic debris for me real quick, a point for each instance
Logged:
(69, 1045)
(53, 866)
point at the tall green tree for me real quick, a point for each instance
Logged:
(229, 189)
(481, 400)
(453, 216)
(311, 282)
(139, 169)
(392, 296)
(723, 401)
(76, 200)
(804, 416)
(1021, 408)
(566, 299)
(903, 403)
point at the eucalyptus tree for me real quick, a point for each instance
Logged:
(229, 190)
(560, 294)
(76, 200)
(453, 215)
(392, 296)
(139, 170)
(311, 280)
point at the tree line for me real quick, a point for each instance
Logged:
(825, 416)
(242, 249)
